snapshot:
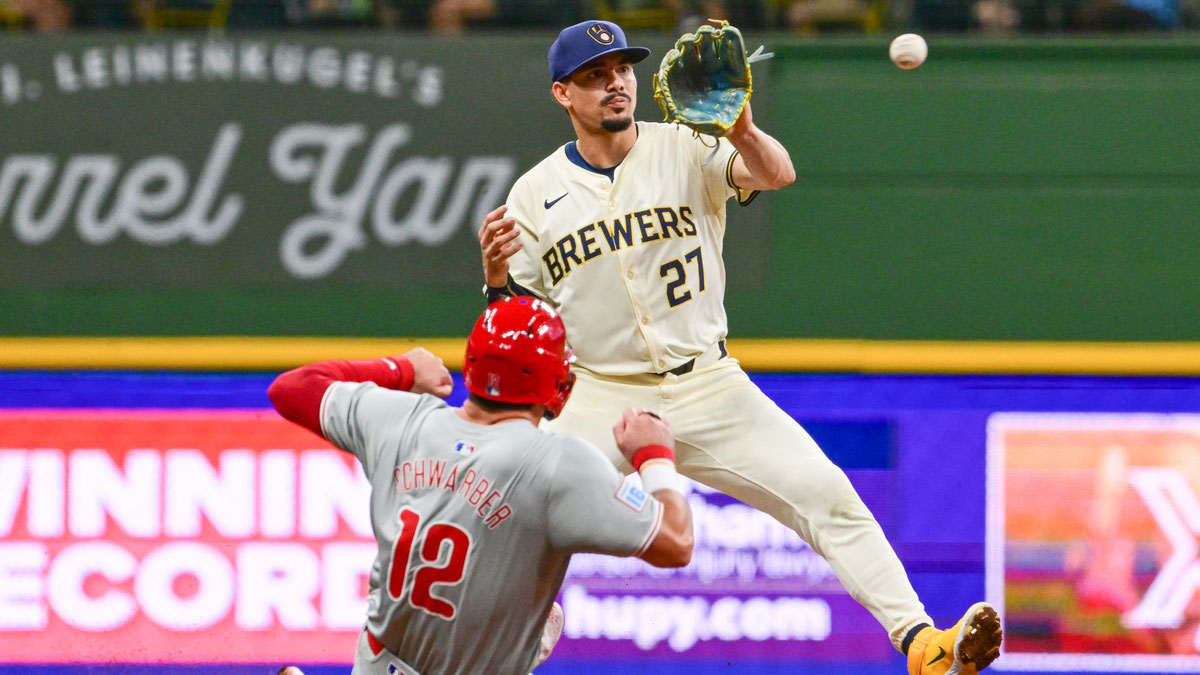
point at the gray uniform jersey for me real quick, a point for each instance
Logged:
(475, 526)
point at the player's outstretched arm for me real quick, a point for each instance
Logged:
(297, 393)
(762, 162)
(648, 443)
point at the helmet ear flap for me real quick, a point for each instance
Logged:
(555, 405)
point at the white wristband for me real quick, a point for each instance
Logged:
(659, 474)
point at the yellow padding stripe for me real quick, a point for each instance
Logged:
(922, 356)
(267, 353)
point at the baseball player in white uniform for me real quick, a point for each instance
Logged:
(476, 510)
(622, 231)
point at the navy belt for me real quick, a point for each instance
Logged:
(685, 368)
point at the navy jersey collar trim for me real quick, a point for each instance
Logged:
(577, 159)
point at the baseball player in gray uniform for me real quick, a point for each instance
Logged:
(622, 231)
(476, 510)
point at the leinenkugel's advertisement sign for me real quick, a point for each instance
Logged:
(283, 183)
(286, 183)
(149, 536)
(303, 151)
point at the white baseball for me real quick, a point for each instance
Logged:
(908, 51)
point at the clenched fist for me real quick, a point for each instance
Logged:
(429, 373)
(638, 428)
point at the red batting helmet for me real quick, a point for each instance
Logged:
(517, 353)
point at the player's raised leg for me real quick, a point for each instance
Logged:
(732, 437)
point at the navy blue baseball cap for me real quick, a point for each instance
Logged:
(578, 44)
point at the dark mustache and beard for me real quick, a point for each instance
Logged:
(616, 124)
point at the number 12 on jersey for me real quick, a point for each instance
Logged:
(677, 269)
(433, 539)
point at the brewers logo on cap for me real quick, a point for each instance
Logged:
(584, 41)
(601, 34)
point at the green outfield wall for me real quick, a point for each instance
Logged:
(296, 184)
(1016, 191)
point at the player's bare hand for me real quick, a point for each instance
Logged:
(638, 428)
(429, 373)
(498, 242)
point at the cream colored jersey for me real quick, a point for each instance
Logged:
(632, 263)
(634, 266)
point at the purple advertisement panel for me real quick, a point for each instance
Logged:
(753, 590)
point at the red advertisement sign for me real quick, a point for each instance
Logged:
(205, 537)
(222, 537)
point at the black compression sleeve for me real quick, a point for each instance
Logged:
(510, 288)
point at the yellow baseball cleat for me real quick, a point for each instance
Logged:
(967, 648)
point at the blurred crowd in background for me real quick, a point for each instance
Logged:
(449, 17)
